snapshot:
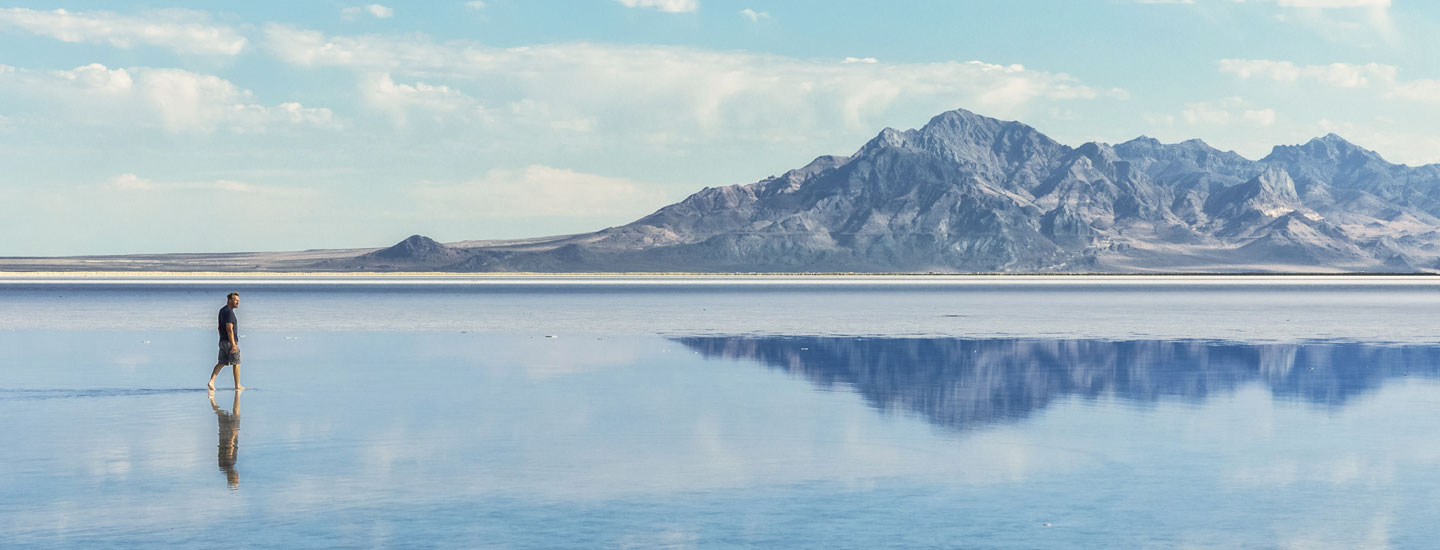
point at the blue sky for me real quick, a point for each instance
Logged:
(221, 126)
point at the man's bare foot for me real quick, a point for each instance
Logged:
(239, 388)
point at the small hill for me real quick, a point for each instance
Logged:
(415, 253)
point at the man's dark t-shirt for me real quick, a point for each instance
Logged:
(227, 315)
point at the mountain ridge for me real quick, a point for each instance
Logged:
(967, 193)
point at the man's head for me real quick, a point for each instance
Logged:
(233, 299)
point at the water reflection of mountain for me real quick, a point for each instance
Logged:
(965, 383)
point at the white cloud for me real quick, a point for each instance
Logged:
(174, 99)
(132, 182)
(688, 91)
(185, 31)
(1417, 90)
(1380, 77)
(99, 79)
(174, 212)
(1333, 4)
(370, 53)
(1342, 75)
(667, 6)
(1354, 21)
(381, 91)
(754, 16)
(1153, 119)
(475, 4)
(1310, 4)
(295, 113)
(1226, 112)
(861, 60)
(539, 191)
(1359, 22)
(1262, 117)
(1057, 113)
(373, 10)
(1205, 113)
(540, 113)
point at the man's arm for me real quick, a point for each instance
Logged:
(234, 345)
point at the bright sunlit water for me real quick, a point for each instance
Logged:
(555, 415)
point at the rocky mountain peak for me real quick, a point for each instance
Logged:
(820, 164)
(960, 122)
(1142, 146)
(886, 139)
(1269, 194)
(1274, 181)
(957, 134)
(973, 140)
(1097, 152)
(792, 180)
(1330, 150)
(1142, 141)
(1175, 160)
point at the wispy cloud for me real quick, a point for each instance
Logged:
(1226, 112)
(1309, 4)
(185, 31)
(1377, 76)
(1343, 75)
(133, 183)
(667, 6)
(1427, 91)
(539, 191)
(1359, 22)
(1333, 4)
(704, 91)
(372, 10)
(754, 16)
(147, 210)
(399, 100)
(1356, 22)
(173, 99)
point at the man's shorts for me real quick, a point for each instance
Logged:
(226, 356)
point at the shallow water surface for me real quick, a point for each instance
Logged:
(561, 435)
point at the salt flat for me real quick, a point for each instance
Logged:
(1235, 308)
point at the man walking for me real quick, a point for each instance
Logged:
(229, 345)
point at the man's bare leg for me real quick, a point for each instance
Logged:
(235, 370)
(213, 374)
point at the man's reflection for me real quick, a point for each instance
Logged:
(229, 446)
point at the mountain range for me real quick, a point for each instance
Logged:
(969, 193)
